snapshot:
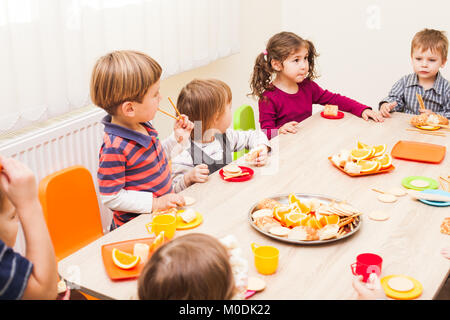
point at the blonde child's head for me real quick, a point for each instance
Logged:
(279, 48)
(122, 76)
(205, 102)
(433, 40)
(9, 222)
(191, 267)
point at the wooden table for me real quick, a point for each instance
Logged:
(409, 242)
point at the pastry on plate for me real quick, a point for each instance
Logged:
(427, 119)
(232, 169)
(188, 215)
(268, 204)
(330, 110)
(266, 223)
(262, 213)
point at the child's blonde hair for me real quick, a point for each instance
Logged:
(434, 40)
(203, 100)
(191, 267)
(279, 47)
(122, 76)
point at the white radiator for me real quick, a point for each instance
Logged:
(74, 141)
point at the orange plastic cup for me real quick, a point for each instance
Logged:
(164, 222)
(266, 258)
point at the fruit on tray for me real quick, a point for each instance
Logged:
(158, 242)
(363, 159)
(124, 260)
(298, 219)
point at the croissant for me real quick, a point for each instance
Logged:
(424, 119)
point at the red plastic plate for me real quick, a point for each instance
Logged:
(340, 115)
(242, 178)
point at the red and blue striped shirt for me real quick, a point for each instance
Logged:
(132, 161)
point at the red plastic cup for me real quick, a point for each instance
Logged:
(367, 263)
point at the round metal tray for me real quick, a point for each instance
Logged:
(283, 198)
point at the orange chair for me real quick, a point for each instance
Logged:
(71, 210)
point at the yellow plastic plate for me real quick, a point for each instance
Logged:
(181, 225)
(431, 128)
(407, 295)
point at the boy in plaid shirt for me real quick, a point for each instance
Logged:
(429, 50)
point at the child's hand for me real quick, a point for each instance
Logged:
(197, 174)
(262, 156)
(182, 128)
(365, 293)
(289, 127)
(369, 113)
(426, 111)
(386, 108)
(18, 183)
(171, 200)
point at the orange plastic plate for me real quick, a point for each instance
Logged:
(116, 273)
(389, 169)
(419, 151)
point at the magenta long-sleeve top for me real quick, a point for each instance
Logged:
(280, 107)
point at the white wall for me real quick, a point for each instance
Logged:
(364, 45)
(259, 20)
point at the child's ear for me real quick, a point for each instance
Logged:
(127, 109)
(276, 65)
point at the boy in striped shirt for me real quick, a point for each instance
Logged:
(33, 276)
(134, 174)
(429, 50)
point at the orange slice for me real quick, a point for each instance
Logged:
(361, 154)
(302, 207)
(385, 160)
(124, 260)
(361, 145)
(280, 211)
(314, 223)
(158, 242)
(379, 150)
(304, 221)
(293, 219)
(369, 165)
(295, 207)
(325, 220)
(293, 198)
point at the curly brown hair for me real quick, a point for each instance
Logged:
(279, 47)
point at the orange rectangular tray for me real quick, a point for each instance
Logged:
(389, 169)
(418, 151)
(114, 272)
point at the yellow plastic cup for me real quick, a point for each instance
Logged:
(266, 258)
(164, 222)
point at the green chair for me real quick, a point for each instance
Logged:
(243, 119)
